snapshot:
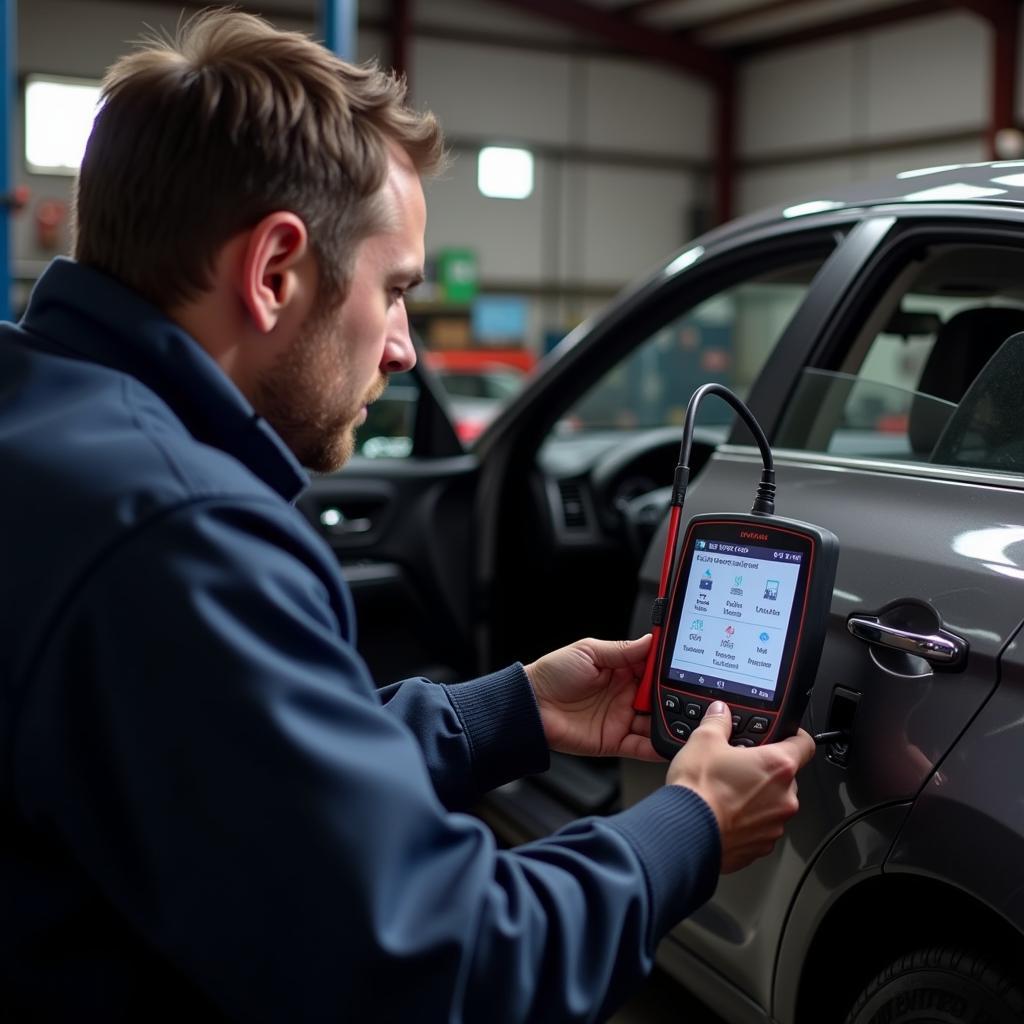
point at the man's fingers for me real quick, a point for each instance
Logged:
(717, 717)
(617, 653)
(799, 747)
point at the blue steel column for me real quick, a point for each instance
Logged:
(340, 22)
(7, 72)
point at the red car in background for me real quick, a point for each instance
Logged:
(478, 383)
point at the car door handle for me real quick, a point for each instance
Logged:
(345, 527)
(939, 647)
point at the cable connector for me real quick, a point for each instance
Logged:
(679, 484)
(764, 500)
(832, 736)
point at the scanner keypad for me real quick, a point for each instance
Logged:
(683, 713)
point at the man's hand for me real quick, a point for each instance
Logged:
(585, 692)
(751, 790)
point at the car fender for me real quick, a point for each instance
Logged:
(855, 854)
(967, 826)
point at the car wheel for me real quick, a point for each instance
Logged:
(939, 985)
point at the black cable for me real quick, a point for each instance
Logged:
(764, 499)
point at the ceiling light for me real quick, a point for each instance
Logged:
(505, 173)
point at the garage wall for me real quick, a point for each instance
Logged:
(616, 139)
(623, 146)
(923, 79)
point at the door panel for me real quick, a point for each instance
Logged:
(399, 529)
(967, 827)
(906, 721)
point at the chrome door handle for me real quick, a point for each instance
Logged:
(940, 647)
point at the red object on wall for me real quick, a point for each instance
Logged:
(477, 358)
(50, 215)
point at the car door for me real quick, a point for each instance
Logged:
(578, 468)
(857, 410)
(398, 518)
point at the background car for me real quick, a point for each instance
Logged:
(877, 338)
(477, 388)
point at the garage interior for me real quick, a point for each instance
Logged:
(634, 127)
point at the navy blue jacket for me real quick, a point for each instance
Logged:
(207, 810)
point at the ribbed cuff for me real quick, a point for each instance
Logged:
(675, 835)
(502, 721)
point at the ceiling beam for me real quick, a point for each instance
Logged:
(995, 11)
(682, 54)
(741, 14)
(842, 26)
(401, 37)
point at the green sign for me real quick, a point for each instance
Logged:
(457, 275)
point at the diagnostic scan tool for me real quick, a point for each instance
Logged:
(745, 624)
(741, 613)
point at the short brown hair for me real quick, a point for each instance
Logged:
(200, 137)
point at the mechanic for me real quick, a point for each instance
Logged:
(210, 812)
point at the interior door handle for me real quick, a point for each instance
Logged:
(939, 647)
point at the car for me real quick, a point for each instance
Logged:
(474, 392)
(877, 335)
(477, 390)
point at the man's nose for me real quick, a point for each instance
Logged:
(399, 353)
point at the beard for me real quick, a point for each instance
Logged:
(308, 396)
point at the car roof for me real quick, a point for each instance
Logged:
(999, 183)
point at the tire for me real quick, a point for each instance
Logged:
(941, 985)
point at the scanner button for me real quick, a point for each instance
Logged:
(738, 721)
(680, 730)
(671, 702)
(744, 741)
(694, 711)
(758, 724)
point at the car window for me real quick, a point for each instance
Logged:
(388, 430)
(473, 398)
(921, 351)
(725, 339)
(477, 393)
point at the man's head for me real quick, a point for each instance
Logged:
(236, 178)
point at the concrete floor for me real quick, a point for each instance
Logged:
(662, 1001)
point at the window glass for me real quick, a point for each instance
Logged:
(897, 391)
(724, 339)
(388, 429)
(474, 396)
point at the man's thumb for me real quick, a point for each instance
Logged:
(718, 716)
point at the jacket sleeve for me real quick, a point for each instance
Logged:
(213, 755)
(495, 736)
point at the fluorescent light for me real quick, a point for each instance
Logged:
(504, 173)
(58, 119)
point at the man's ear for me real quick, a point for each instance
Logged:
(273, 256)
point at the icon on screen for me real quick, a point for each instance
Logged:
(697, 624)
(701, 545)
(705, 583)
(764, 638)
(730, 630)
(771, 590)
(738, 580)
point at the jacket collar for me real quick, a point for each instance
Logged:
(80, 312)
